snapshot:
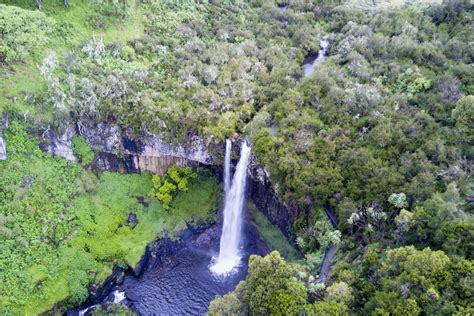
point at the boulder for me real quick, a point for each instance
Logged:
(132, 219)
(208, 238)
(60, 145)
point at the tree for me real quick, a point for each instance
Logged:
(23, 32)
(272, 287)
(176, 179)
(229, 304)
(339, 292)
(405, 277)
(82, 150)
(398, 200)
(322, 308)
(463, 116)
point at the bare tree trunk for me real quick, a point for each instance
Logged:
(38, 4)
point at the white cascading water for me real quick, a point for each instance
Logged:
(228, 154)
(229, 255)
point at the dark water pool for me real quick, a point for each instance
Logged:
(182, 285)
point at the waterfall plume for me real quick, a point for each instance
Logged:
(228, 154)
(229, 254)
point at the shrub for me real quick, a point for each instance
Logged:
(176, 179)
(22, 31)
(82, 150)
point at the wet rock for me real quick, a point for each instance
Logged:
(120, 278)
(98, 292)
(132, 296)
(208, 238)
(3, 151)
(265, 198)
(132, 220)
(60, 145)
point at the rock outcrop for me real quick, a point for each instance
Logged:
(61, 145)
(122, 151)
(265, 198)
(264, 195)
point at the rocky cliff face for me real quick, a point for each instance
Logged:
(3, 126)
(116, 150)
(122, 151)
(265, 198)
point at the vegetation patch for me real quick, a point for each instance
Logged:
(63, 229)
(82, 150)
(272, 234)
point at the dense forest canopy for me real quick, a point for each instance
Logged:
(380, 135)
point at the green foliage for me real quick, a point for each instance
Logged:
(314, 231)
(82, 150)
(441, 223)
(313, 260)
(390, 110)
(198, 205)
(176, 179)
(399, 200)
(23, 32)
(322, 308)
(270, 288)
(411, 82)
(463, 116)
(339, 292)
(407, 281)
(35, 221)
(112, 309)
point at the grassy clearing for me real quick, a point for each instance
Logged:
(104, 238)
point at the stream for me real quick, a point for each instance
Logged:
(312, 60)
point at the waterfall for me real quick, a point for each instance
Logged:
(228, 154)
(229, 256)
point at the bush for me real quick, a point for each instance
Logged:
(176, 179)
(82, 150)
(22, 31)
